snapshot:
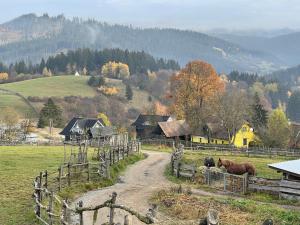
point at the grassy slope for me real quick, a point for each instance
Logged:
(58, 86)
(18, 167)
(61, 86)
(9, 100)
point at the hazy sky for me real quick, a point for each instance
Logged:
(188, 14)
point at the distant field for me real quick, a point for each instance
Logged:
(140, 97)
(61, 86)
(13, 101)
(56, 86)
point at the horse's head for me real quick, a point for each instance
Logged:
(220, 163)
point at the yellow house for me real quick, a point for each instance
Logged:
(243, 137)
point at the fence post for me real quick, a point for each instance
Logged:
(50, 208)
(127, 221)
(111, 213)
(59, 178)
(118, 154)
(110, 157)
(69, 174)
(46, 179)
(40, 187)
(80, 204)
(88, 172)
(107, 168)
(224, 181)
(172, 165)
(178, 169)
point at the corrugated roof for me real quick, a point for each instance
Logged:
(175, 128)
(292, 166)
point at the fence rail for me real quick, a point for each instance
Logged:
(251, 151)
(50, 209)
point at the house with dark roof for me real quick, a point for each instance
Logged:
(147, 126)
(79, 127)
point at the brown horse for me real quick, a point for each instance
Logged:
(236, 168)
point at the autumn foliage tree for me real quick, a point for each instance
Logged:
(115, 70)
(193, 91)
(3, 76)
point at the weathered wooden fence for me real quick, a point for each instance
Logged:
(50, 209)
(226, 149)
(284, 188)
(226, 182)
(111, 204)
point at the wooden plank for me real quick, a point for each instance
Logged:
(263, 188)
(289, 190)
(289, 184)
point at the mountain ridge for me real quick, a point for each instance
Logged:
(32, 42)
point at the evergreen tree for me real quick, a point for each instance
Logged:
(293, 107)
(49, 112)
(260, 115)
(129, 93)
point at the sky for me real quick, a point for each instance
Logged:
(183, 14)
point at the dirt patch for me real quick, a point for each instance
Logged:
(188, 207)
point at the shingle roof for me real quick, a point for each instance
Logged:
(66, 130)
(292, 166)
(144, 120)
(175, 128)
(83, 123)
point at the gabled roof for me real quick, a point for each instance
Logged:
(69, 126)
(175, 128)
(149, 120)
(291, 166)
(83, 123)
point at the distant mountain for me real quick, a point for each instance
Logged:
(31, 37)
(285, 47)
(289, 77)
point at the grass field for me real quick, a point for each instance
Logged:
(58, 86)
(18, 167)
(13, 101)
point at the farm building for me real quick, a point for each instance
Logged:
(213, 133)
(175, 129)
(147, 126)
(78, 127)
(290, 169)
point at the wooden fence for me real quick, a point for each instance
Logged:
(232, 183)
(284, 188)
(50, 209)
(226, 149)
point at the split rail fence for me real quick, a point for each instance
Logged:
(51, 209)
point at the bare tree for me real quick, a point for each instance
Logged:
(232, 109)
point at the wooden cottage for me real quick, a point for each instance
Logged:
(175, 129)
(81, 128)
(147, 126)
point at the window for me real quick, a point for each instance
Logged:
(245, 141)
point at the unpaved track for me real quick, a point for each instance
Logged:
(137, 185)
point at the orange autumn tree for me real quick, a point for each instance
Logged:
(193, 91)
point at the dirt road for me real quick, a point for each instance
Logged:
(137, 185)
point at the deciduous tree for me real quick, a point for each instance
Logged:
(193, 91)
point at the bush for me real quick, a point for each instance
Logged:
(96, 81)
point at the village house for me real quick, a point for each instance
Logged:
(79, 127)
(147, 126)
(213, 133)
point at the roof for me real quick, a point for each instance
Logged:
(148, 120)
(69, 126)
(215, 131)
(175, 128)
(103, 131)
(83, 123)
(292, 166)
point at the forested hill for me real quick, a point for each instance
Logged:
(31, 37)
(289, 76)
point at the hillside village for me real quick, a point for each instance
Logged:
(121, 135)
